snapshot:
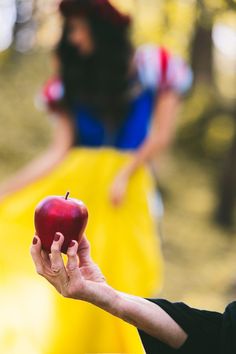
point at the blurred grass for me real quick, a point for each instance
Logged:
(200, 258)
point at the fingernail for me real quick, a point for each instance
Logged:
(57, 237)
(72, 243)
(35, 241)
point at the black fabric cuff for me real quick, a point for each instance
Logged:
(202, 328)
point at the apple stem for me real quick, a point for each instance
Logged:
(67, 195)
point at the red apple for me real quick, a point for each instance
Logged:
(60, 214)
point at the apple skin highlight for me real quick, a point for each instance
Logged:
(60, 214)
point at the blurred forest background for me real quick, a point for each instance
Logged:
(198, 176)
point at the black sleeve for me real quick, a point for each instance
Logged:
(202, 327)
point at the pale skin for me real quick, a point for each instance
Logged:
(62, 141)
(157, 141)
(81, 279)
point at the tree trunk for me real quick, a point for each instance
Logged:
(202, 54)
(227, 193)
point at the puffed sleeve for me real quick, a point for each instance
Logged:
(179, 76)
(51, 95)
(202, 327)
(159, 70)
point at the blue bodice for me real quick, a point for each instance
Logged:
(92, 132)
(156, 71)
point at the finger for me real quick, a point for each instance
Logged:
(73, 261)
(84, 252)
(57, 264)
(46, 258)
(117, 194)
(35, 251)
(113, 197)
(116, 199)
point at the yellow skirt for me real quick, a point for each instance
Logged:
(34, 319)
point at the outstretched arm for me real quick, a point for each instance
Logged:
(161, 132)
(158, 140)
(81, 279)
(62, 140)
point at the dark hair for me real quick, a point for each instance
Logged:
(101, 80)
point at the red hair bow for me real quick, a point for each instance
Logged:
(102, 8)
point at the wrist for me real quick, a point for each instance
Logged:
(136, 162)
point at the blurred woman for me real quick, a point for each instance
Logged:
(119, 106)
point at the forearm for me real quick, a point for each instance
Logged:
(150, 149)
(161, 132)
(33, 171)
(140, 313)
(62, 140)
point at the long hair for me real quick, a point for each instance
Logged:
(99, 81)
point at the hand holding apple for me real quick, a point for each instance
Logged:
(60, 214)
(80, 278)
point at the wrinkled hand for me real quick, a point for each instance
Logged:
(119, 187)
(79, 279)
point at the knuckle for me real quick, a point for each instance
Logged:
(56, 268)
(71, 252)
(71, 268)
(39, 270)
(33, 251)
(55, 248)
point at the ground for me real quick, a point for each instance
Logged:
(200, 258)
